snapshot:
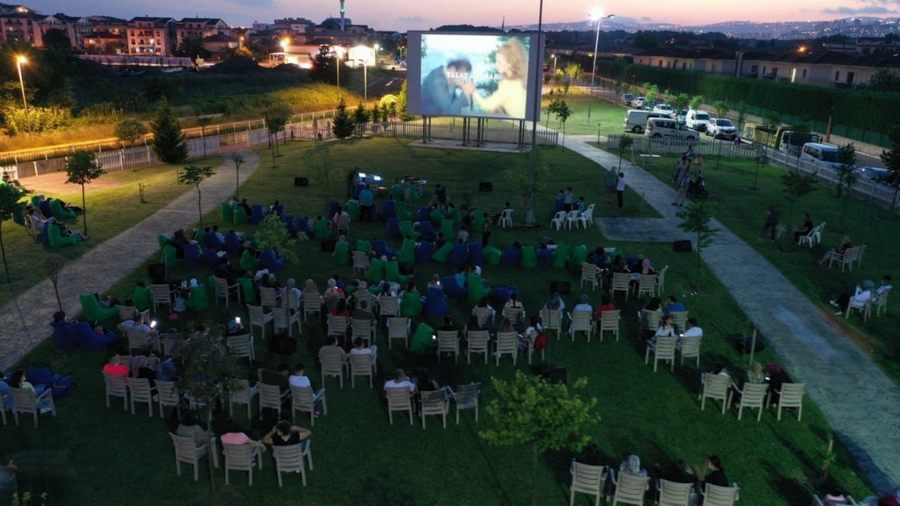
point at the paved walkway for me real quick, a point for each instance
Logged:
(861, 403)
(24, 321)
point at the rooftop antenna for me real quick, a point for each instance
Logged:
(343, 11)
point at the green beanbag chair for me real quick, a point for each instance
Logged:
(249, 262)
(404, 213)
(170, 255)
(376, 270)
(436, 215)
(392, 272)
(443, 253)
(198, 299)
(397, 192)
(407, 229)
(411, 304)
(322, 230)
(141, 298)
(36, 201)
(455, 216)
(92, 310)
(240, 216)
(423, 339)
(529, 257)
(55, 238)
(248, 290)
(227, 212)
(475, 287)
(477, 220)
(448, 230)
(59, 213)
(579, 255)
(363, 245)
(561, 256)
(492, 255)
(341, 253)
(407, 253)
(353, 209)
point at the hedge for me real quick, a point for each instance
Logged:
(862, 109)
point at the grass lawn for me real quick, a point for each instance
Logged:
(606, 117)
(113, 206)
(865, 223)
(89, 454)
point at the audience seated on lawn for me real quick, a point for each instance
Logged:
(842, 248)
(805, 229)
(359, 348)
(861, 295)
(75, 334)
(665, 329)
(285, 434)
(189, 426)
(632, 465)
(605, 305)
(673, 306)
(555, 302)
(401, 380)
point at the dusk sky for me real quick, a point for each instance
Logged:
(424, 14)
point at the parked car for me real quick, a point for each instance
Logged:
(821, 155)
(721, 128)
(664, 108)
(877, 174)
(638, 103)
(681, 116)
(627, 98)
(636, 120)
(659, 128)
(696, 119)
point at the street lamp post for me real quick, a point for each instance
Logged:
(596, 15)
(21, 60)
(538, 95)
(284, 47)
(365, 81)
(554, 64)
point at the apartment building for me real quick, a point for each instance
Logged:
(151, 36)
(199, 28)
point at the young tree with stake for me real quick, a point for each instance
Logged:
(237, 159)
(194, 175)
(695, 219)
(82, 168)
(9, 207)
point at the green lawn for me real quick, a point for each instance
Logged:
(113, 206)
(89, 454)
(864, 222)
(606, 118)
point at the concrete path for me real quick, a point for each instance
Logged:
(24, 322)
(861, 403)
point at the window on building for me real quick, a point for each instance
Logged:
(849, 77)
(803, 75)
(837, 75)
(660, 63)
(683, 65)
(754, 69)
(764, 70)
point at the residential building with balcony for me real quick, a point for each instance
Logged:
(199, 28)
(151, 36)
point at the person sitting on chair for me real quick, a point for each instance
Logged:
(860, 296)
(837, 252)
(285, 434)
(805, 229)
(673, 306)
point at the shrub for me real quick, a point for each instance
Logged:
(35, 119)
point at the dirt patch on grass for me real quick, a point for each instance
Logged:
(55, 183)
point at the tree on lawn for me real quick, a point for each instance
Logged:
(168, 139)
(361, 115)
(531, 411)
(625, 142)
(681, 102)
(9, 207)
(129, 130)
(194, 175)
(796, 186)
(273, 234)
(237, 159)
(402, 101)
(563, 112)
(81, 169)
(572, 71)
(343, 125)
(721, 108)
(277, 118)
(696, 102)
(846, 176)
(891, 161)
(695, 219)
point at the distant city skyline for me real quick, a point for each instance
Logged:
(424, 14)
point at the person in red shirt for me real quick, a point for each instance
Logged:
(605, 305)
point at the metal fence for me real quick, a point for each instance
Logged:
(863, 188)
(141, 156)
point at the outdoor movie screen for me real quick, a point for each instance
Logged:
(478, 75)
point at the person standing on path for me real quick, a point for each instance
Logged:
(620, 190)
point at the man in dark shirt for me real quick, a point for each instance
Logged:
(715, 473)
(278, 378)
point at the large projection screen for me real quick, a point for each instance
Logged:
(472, 75)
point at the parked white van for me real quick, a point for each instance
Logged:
(696, 119)
(636, 120)
(659, 128)
(821, 155)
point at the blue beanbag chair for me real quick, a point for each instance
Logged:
(501, 294)
(233, 243)
(390, 210)
(213, 241)
(382, 249)
(288, 221)
(82, 335)
(511, 257)
(393, 228)
(304, 226)
(43, 377)
(452, 288)
(458, 255)
(212, 259)
(436, 305)
(64, 339)
(424, 252)
(278, 209)
(192, 256)
(256, 214)
(426, 230)
(476, 254)
(269, 260)
(544, 257)
(423, 214)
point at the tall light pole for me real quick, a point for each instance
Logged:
(365, 81)
(554, 64)
(284, 47)
(596, 15)
(21, 60)
(538, 95)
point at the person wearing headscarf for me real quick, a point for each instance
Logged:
(632, 465)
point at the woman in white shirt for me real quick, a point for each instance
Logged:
(665, 329)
